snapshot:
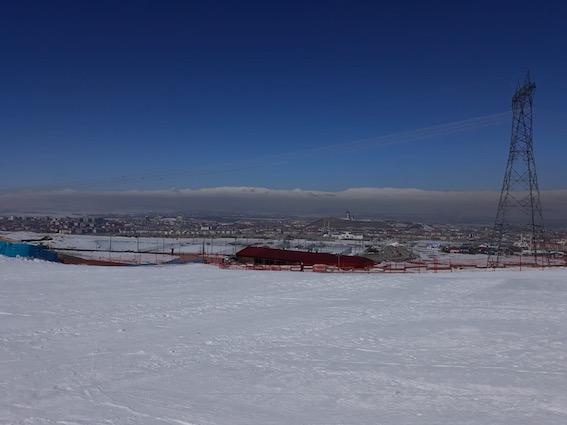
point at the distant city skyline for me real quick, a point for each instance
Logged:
(147, 96)
(387, 203)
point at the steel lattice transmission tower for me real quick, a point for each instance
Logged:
(519, 206)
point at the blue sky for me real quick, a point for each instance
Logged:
(189, 94)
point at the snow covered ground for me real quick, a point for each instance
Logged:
(193, 344)
(225, 246)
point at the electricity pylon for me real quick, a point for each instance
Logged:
(519, 206)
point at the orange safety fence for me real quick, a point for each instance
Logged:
(409, 267)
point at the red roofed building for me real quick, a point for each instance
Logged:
(264, 255)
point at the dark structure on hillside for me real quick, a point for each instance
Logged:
(393, 252)
(519, 206)
(265, 255)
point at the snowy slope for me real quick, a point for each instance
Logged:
(196, 345)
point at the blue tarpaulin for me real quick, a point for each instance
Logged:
(10, 249)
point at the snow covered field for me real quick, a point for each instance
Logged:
(193, 344)
(225, 246)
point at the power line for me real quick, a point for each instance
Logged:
(423, 133)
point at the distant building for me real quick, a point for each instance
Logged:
(348, 236)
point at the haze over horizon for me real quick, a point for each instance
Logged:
(456, 207)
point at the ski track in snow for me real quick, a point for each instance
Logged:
(195, 345)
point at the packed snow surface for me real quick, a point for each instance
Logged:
(193, 344)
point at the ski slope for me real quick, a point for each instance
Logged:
(193, 344)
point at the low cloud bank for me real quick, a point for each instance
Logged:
(386, 203)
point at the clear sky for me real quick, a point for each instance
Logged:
(186, 94)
